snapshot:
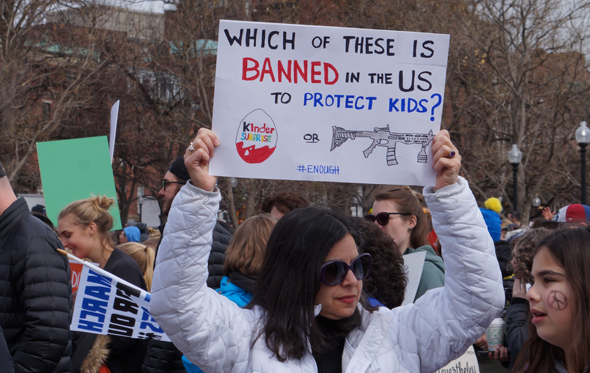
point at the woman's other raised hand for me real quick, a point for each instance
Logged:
(446, 160)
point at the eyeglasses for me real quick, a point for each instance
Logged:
(382, 218)
(334, 272)
(166, 182)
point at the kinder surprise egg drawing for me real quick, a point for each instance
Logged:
(257, 137)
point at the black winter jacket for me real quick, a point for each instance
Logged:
(164, 356)
(517, 315)
(35, 293)
(221, 238)
(5, 357)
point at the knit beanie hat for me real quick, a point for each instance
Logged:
(494, 204)
(179, 169)
(132, 234)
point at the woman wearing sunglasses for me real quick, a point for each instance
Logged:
(398, 212)
(308, 312)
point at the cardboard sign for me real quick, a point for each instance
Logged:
(467, 363)
(106, 304)
(76, 169)
(327, 104)
(414, 264)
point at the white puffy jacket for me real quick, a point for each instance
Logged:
(216, 335)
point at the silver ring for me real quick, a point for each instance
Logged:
(191, 148)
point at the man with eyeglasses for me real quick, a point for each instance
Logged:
(163, 356)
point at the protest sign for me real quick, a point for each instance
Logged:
(76, 169)
(414, 265)
(113, 131)
(327, 104)
(106, 304)
(76, 272)
(467, 363)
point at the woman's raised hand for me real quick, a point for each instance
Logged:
(446, 160)
(197, 156)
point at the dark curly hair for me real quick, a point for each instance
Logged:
(523, 249)
(387, 281)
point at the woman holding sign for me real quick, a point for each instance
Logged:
(308, 313)
(84, 227)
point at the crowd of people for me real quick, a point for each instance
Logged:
(298, 288)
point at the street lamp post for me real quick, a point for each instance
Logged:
(583, 137)
(140, 193)
(514, 157)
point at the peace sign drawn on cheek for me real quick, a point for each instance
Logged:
(557, 300)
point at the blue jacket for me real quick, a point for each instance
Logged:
(493, 222)
(234, 293)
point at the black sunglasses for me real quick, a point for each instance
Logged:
(334, 272)
(166, 182)
(382, 218)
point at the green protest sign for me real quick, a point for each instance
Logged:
(76, 169)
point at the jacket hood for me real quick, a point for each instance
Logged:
(430, 256)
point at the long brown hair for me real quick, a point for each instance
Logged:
(93, 210)
(570, 247)
(248, 245)
(406, 200)
(144, 256)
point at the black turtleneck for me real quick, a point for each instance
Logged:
(330, 361)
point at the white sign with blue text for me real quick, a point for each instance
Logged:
(106, 304)
(333, 104)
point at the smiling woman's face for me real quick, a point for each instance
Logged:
(80, 240)
(84, 242)
(339, 301)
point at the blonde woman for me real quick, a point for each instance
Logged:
(84, 227)
(144, 256)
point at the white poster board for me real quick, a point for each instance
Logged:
(113, 131)
(106, 304)
(414, 264)
(467, 363)
(333, 104)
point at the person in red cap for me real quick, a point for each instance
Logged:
(574, 213)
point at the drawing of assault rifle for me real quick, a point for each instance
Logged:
(383, 137)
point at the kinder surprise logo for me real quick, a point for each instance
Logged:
(257, 137)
